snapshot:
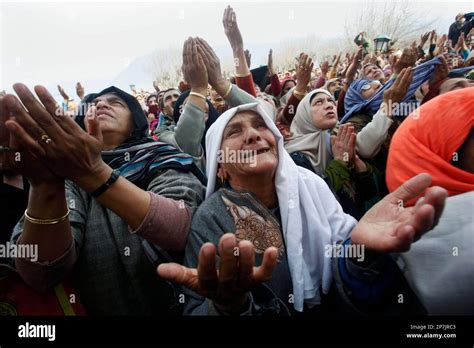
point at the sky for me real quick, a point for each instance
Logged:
(93, 42)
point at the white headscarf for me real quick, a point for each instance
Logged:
(268, 107)
(311, 217)
(306, 138)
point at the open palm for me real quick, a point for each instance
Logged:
(390, 227)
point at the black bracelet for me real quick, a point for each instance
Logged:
(112, 179)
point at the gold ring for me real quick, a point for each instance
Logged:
(46, 138)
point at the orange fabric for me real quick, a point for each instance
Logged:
(427, 140)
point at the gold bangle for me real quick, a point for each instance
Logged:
(228, 91)
(298, 94)
(46, 221)
(199, 95)
(241, 75)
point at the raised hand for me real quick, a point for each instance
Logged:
(193, 68)
(461, 44)
(392, 59)
(336, 60)
(80, 91)
(227, 287)
(213, 67)
(423, 38)
(407, 59)
(433, 37)
(17, 157)
(303, 68)
(248, 57)
(324, 69)
(390, 227)
(397, 91)
(232, 30)
(357, 58)
(442, 40)
(195, 72)
(55, 139)
(343, 144)
(441, 71)
(63, 92)
(352, 69)
(241, 59)
(271, 71)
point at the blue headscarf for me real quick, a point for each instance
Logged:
(353, 95)
(355, 102)
(460, 72)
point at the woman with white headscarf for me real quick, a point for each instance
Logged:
(311, 146)
(289, 218)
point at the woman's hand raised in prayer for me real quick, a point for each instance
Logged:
(324, 69)
(407, 59)
(195, 72)
(227, 287)
(56, 139)
(271, 70)
(389, 226)
(80, 91)
(16, 156)
(63, 92)
(232, 30)
(393, 96)
(213, 67)
(303, 67)
(193, 68)
(344, 147)
(343, 144)
(234, 36)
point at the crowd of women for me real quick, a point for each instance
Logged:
(349, 192)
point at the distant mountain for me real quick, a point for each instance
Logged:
(140, 71)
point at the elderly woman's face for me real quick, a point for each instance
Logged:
(373, 72)
(113, 114)
(323, 111)
(247, 134)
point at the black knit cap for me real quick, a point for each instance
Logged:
(139, 118)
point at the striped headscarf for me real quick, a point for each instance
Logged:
(139, 158)
(141, 162)
(355, 102)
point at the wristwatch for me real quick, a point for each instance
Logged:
(112, 179)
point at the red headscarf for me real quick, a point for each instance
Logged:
(427, 140)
